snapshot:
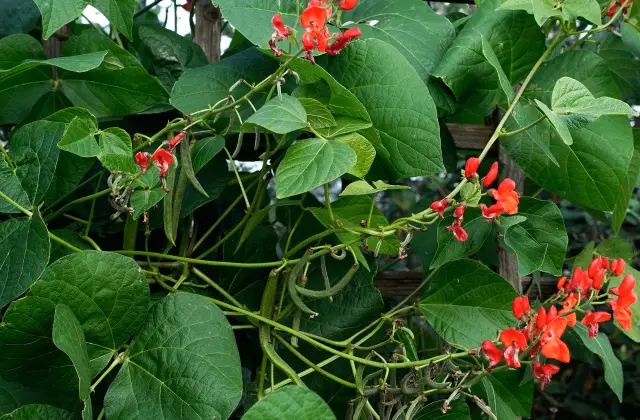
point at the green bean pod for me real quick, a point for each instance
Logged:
(333, 290)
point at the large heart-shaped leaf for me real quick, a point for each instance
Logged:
(280, 115)
(291, 402)
(106, 292)
(24, 253)
(540, 242)
(466, 303)
(311, 163)
(405, 130)
(183, 363)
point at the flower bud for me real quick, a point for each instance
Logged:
(491, 175)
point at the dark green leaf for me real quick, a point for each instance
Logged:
(24, 251)
(68, 336)
(14, 395)
(55, 14)
(509, 393)
(119, 13)
(624, 68)
(257, 218)
(183, 363)
(78, 63)
(213, 177)
(38, 412)
(451, 249)
(280, 115)
(58, 250)
(458, 410)
(311, 163)
(559, 125)
(143, 200)
(10, 185)
(466, 303)
(631, 37)
(205, 150)
(291, 402)
(540, 242)
(17, 17)
(627, 186)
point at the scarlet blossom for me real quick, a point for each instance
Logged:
(514, 341)
(568, 303)
(571, 319)
(594, 266)
(493, 353)
(626, 297)
(313, 39)
(281, 31)
(459, 211)
(520, 306)
(142, 160)
(561, 281)
(623, 316)
(491, 212)
(491, 175)
(314, 16)
(544, 372)
(162, 159)
(552, 314)
(440, 206)
(348, 4)
(343, 40)
(175, 141)
(552, 346)
(506, 196)
(598, 279)
(458, 231)
(592, 319)
(605, 263)
(541, 319)
(471, 167)
(626, 286)
(619, 267)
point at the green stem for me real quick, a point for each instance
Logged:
(130, 233)
(327, 204)
(215, 285)
(523, 129)
(67, 195)
(373, 206)
(74, 218)
(311, 240)
(6, 157)
(63, 242)
(117, 361)
(92, 242)
(16, 205)
(235, 171)
(78, 201)
(293, 230)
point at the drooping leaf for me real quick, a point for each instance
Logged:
(119, 13)
(79, 63)
(458, 410)
(56, 14)
(183, 363)
(318, 115)
(68, 336)
(204, 150)
(311, 163)
(509, 393)
(116, 151)
(451, 249)
(601, 346)
(466, 303)
(517, 42)
(280, 115)
(364, 188)
(199, 88)
(38, 412)
(558, 124)
(288, 403)
(108, 295)
(213, 177)
(364, 150)
(540, 242)
(24, 253)
(405, 132)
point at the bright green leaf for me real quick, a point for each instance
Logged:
(471, 193)
(280, 115)
(116, 152)
(119, 13)
(364, 188)
(318, 115)
(364, 150)
(79, 136)
(183, 363)
(10, 185)
(143, 200)
(311, 163)
(466, 303)
(540, 9)
(291, 402)
(558, 124)
(588, 9)
(630, 37)
(79, 63)
(56, 14)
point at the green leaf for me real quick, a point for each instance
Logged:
(411, 26)
(280, 115)
(78, 63)
(540, 242)
(349, 113)
(10, 185)
(119, 13)
(624, 68)
(24, 250)
(588, 9)
(585, 256)
(517, 42)
(627, 186)
(108, 295)
(183, 363)
(204, 150)
(18, 17)
(58, 250)
(167, 53)
(363, 188)
(458, 410)
(471, 193)
(213, 177)
(466, 303)
(56, 14)
(14, 395)
(572, 97)
(311, 163)
(199, 88)
(405, 132)
(540, 9)
(558, 124)
(602, 347)
(38, 412)
(79, 135)
(451, 249)
(143, 200)
(187, 166)
(35, 153)
(318, 115)
(257, 218)
(291, 402)
(68, 336)
(69, 172)
(631, 37)
(116, 152)
(488, 52)
(509, 393)
(364, 150)
(616, 248)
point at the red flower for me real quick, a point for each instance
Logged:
(561, 281)
(544, 373)
(471, 167)
(594, 266)
(506, 196)
(571, 319)
(162, 159)
(625, 287)
(314, 16)
(343, 40)
(626, 297)
(440, 206)
(175, 141)
(612, 10)
(458, 231)
(312, 39)
(552, 346)
(493, 353)
(598, 279)
(491, 212)
(348, 4)
(552, 314)
(281, 30)
(605, 263)
(142, 159)
(620, 267)
(623, 316)
(592, 319)
(568, 303)
(459, 211)
(491, 175)
(520, 306)
(541, 319)
(514, 341)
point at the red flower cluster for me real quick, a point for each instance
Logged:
(614, 8)
(626, 297)
(507, 199)
(458, 231)
(162, 158)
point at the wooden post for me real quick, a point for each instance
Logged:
(208, 29)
